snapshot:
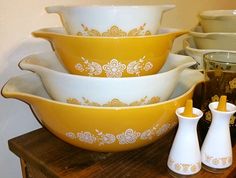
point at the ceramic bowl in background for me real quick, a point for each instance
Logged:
(100, 91)
(111, 56)
(218, 21)
(93, 128)
(223, 41)
(197, 54)
(111, 20)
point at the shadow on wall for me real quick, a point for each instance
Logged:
(16, 117)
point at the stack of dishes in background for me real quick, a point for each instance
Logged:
(111, 84)
(216, 33)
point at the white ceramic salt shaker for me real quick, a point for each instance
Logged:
(216, 151)
(185, 156)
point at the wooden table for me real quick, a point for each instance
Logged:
(43, 155)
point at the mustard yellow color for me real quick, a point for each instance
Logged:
(101, 50)
(62, 118)
(222, 103)
(188, 109)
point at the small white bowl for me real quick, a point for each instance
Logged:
(111, 20)
(218, 21)
(99, 91)
(223, 41)
(197, 54)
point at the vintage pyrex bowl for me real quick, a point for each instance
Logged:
(218, 21)
(111, 56)
(216, 40)
(100, 91)
(105, 129)
(110, 20)
(197, 54)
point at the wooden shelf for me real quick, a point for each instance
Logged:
(45, 156)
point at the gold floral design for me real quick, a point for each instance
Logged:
(73, 101)
(232, 119)
(114, 68)
(114, 102)
(184, 167)
(114, 31)
(218, 161)
(208, 116)
(232, 84)
(215, 98)
(218, 71)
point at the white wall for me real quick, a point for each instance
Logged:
(18, 18)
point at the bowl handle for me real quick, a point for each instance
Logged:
(168, 7)
(54, 9)
(13, 89)
(43, 33)
(180, 33)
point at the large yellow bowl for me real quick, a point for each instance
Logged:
(111, 56)
(105, 129)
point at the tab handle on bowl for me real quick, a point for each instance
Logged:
(168, 7)
(54, 9)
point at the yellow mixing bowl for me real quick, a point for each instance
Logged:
(106, 129)
(111, 56)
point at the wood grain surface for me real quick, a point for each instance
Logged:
(54, 158)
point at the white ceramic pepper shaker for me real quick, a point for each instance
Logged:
(216, 151)
(185, 156)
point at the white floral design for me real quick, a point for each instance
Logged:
(71, 135)
(79, 67)
(148, 66)
(105, 138)
(149, 134)
(114, 68)
(128, 137)
(163, 129)
(135, 67)
(93, 68)
(86, 137)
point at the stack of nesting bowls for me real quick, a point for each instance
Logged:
(216, 33)
(111, 83)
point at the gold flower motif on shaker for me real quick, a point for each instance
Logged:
(177, 166)
(193, 168)
(114, 31)
(114, 68)
(232, 84)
